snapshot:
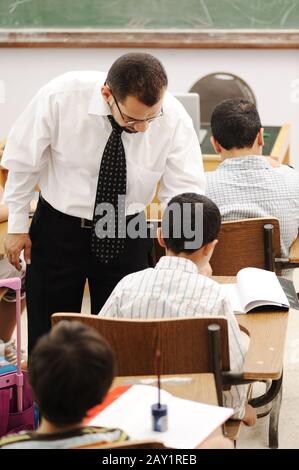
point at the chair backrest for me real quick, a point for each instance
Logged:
(183, 343)
(244, 243)
(216, 87)
(190, 101)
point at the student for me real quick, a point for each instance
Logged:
(247, 184)
(8, 303)
(98, 140)
(178, 286)
(70, 371)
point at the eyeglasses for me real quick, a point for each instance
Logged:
(131, 122)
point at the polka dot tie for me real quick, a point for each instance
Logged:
(111, 184)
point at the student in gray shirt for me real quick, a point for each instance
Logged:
(247, 184)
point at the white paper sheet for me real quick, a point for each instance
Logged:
(189, 422)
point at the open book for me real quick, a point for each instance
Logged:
(257, 288)
(189, 422)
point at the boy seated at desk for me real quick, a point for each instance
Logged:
(70, 371)
(178, 285)
(247, 184)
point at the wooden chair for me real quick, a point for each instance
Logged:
(242, 243)
(135, 343)
(247, 242)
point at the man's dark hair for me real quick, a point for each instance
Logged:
(186, 208)
(235, 123)
(71, 369)
(137, 74)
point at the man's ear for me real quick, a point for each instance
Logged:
(260, 137)
(160, 237)
(216, 146)
(209, 248)
(106, 93)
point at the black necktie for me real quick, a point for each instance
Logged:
(111, 183)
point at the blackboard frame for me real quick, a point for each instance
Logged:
(183, 39)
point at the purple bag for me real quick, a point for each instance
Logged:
(16, 402)
(11, 419)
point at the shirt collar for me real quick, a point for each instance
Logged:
(249, 162)
(176, 263)
(97, 104)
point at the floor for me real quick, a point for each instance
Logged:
(257, 437)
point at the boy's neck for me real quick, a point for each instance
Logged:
(49, 428)
(235, 153)
(195, 257)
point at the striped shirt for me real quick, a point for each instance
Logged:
(247, 187)
(174, 288)
(63, 440)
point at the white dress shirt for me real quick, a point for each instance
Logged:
(174, 288)
(59, 139)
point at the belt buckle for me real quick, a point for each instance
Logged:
(83, 223)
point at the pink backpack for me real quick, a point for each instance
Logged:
(16, 402)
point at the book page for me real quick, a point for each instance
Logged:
(189, 422)
(232, 293)
(258, 287)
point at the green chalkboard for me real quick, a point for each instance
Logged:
(270, 136)
(150, 14)
(184, 19)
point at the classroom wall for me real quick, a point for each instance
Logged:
(272, 74)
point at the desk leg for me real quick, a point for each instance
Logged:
(272, 395)
(274, 420)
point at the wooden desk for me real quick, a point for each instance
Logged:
(294, 251)
(267, 331)
(200, 387)
(280, 150)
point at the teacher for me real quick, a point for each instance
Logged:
(97, 144)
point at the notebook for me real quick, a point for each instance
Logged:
(259, 290)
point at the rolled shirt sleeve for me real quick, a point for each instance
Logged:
(25, 154)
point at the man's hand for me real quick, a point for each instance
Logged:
(14, 243)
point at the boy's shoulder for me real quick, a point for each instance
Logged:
(133, 277)
(212, 283)
(15, 438)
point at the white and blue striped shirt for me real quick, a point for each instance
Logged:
(246, 187)
(174, 288)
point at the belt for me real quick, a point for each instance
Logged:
(84, 223)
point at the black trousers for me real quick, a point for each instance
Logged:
(61, 261)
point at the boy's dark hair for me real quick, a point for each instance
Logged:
(235, 123)
(71, 369)
(198, 210)
(137, 74)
